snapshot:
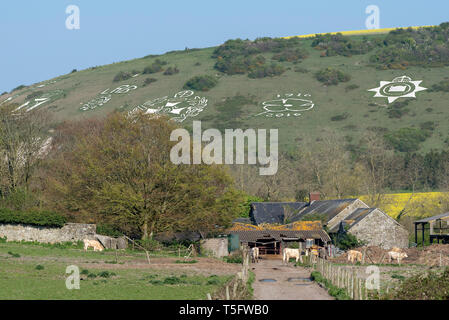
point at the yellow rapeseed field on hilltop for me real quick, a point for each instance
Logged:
(423, 204)
(355, 32)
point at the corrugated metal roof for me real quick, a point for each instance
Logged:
(272, 212)
(295, 226)
(242, 220)
(359, 214)
(252, 236)
(353, 218)
(330, 208)
(429, 219)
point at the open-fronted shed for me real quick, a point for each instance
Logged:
(438, 228)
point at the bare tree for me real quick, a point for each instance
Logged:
(22, 139)
(377, 161)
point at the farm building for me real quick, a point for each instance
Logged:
(368, 224)
(271, 238)
(375, 227)
(438, 226)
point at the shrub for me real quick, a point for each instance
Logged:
(160, 62)
(407, 139)
(213, 281)
(266, 71)
(201, 83)
(340, 117)
(291, 55)
(338, 293)
(428, 126)
(337, 44)
(74, 70)
(173, 280)
(430, 286)
(186, 261)
(85, 272)
(122, 76)
(301, 70)
(398, 109)
(154, 68)
(39, 267)
(108, 230)
(238, 64)
(35, 218)
(19, 88)
(351, 87)
(236, 257)
(171, 71)
(443, 86)
(34, 95)
(149, 81)
(347, 241)
(106, 274)
(330, 76)
(14, 255)
(409, 47)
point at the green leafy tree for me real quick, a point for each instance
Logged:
(118, 171)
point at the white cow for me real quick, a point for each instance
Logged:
(354, 255)
(396, 255)
(92, 243)
(254, 255)
(291, 253)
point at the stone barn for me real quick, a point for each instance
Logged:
(376, 228)
(368, 224)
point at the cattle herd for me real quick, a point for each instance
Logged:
(353, 255)
(288, 253)
(393, 254)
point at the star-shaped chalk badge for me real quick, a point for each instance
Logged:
(400, 87)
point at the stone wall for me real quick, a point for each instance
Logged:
(71, 232)
(379, 229)
(217, 247)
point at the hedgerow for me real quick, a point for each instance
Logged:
(34, 218)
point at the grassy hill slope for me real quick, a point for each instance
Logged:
(237, 100)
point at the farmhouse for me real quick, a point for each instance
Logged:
(368, 224)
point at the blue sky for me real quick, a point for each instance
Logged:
(36, 45)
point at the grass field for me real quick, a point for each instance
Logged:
(362, 109)
(37, 272)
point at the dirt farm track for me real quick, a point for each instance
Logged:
(275, 281)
